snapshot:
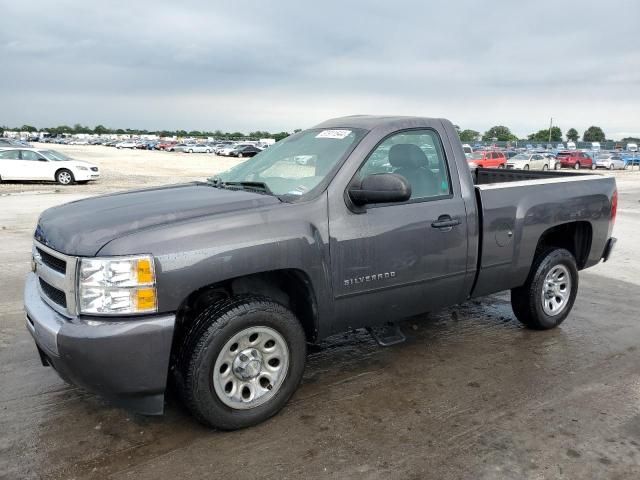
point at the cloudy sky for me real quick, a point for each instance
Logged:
(285, 64)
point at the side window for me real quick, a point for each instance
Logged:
(418, 156)
(10, 155)
(29, 155)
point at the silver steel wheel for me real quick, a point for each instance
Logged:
(251, 368)
(64, 178)
(556, 290)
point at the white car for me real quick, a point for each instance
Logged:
(528, 161)
(127, 144)
(196, 148)
(44, 164)
(610, 161)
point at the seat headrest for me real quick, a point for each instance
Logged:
(407, 155)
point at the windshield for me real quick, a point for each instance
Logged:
(520, 156)
(55, 156)
(297, 164)
(476, 156)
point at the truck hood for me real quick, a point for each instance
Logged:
(83, 227)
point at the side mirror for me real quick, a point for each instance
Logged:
(380, 188)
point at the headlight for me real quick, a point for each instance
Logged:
(117, 285)
(79, 167)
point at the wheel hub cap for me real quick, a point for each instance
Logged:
(247, 364)
(251, 367)
(556, 290)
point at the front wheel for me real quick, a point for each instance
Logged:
(190, 151)
(547, 297)
(526, 167)
(557, 166)
(64, 177)
(501, 165)
(577, 166)
(593, 166)
(545, 167)
(611, 166)
(241, 361)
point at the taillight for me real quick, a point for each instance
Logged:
(614, 205)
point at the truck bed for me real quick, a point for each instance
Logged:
(517, 208)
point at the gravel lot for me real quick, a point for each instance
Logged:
(470, 395)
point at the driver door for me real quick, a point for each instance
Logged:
(38, 167)
(392, 260)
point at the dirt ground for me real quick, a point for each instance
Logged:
(470, 395)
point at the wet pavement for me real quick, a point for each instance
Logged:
(471, 394)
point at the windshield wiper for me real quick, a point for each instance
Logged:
(257, 187)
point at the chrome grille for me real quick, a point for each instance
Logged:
(53, 293)
(56, 263)
(56, 278)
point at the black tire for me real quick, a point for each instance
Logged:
(526, 167)
(526, 300)
(557, 166)
(593, 166)
(577, 166)
(203, 343)
(545, 167)
(65, 177)
(611, 166)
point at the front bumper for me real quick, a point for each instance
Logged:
(126, 360)
(84, 175)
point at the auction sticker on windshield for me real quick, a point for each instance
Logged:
(339, 134)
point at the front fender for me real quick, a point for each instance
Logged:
(196, 253)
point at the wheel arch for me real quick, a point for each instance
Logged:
(576, 237)
(290, 287)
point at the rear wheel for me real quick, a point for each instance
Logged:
(547, 297)
(557, 166)
(501, 165)
(241, 361)
(611, 166)
(545, 167)
(577, 166)
(593, 166)
(239, 155)
(64, 177)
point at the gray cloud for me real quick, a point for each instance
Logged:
(281, 65)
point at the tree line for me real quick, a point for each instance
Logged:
(102, 130)
(501, 133)
(498, 133)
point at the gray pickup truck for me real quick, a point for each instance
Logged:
(218, 286)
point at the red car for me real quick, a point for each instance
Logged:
(165, 145)
(575, 160)
(487, 160)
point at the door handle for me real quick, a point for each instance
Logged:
(445, 221)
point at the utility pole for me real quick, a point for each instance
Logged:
(550, 125)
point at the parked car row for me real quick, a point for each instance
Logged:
(547, 160)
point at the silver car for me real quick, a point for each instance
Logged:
(196, 148)
(529, 161)
(610, 161)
